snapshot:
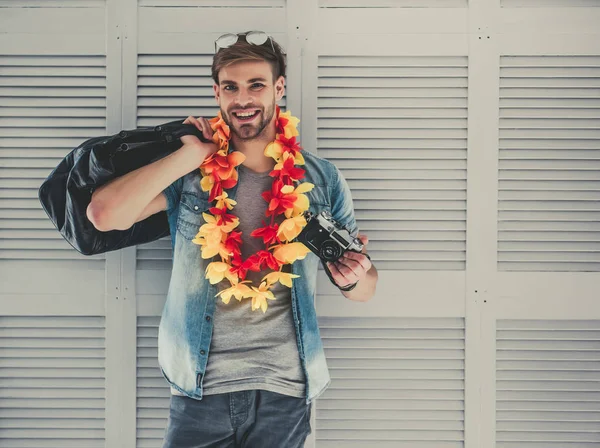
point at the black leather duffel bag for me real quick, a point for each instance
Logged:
(67, 192)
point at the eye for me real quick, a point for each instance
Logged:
(229, 88)
(257, 86)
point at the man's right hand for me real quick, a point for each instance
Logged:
(203, 149)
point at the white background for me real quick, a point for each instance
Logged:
(469, 135)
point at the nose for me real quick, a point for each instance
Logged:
(244, 98)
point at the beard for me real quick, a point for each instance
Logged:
(253, 130)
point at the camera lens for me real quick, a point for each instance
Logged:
(331, 251)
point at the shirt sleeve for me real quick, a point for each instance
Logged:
(173, 194)
(342, 207)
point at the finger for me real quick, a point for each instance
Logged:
(347, 272)
(360, 258)
(338, 277)
(353, 265)
(363, 238)
(206, 129)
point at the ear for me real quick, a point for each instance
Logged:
(217, 91)
(279, 88)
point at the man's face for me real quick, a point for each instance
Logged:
(247, 95)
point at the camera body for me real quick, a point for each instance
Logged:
(326, 238)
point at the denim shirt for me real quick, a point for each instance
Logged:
(186, 325)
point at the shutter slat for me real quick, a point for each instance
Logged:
(152, 390)
(549, 164)
(545, 390)
(52, 381)
(51, 104)
(397, 128)
(394, 379)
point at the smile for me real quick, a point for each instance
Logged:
(245, 115)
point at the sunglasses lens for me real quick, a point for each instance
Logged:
(227, 40)
(256, 38)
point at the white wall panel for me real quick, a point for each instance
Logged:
(478, 193)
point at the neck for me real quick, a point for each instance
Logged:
(254, 149)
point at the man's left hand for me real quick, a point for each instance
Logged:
(352, 266)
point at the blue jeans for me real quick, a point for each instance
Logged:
(248, 418)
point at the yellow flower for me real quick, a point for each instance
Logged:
(291, 128)
(237, 290)
(224, 201)
(285, 278)
(210, 247)
(212, 228)
(260, 296)
(301, 203)
(275, 151)
(217, 271)
(207, 183)
(291, 227)
(290, 252)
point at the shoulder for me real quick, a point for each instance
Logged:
(320, 171)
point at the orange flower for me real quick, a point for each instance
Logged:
(221, 133)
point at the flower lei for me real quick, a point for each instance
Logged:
(217, 236)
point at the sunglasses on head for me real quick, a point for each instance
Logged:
(252, 37)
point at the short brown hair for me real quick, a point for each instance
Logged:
(243, 51)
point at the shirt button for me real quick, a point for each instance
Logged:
(207, 318)
(202, 352)
(195, 207)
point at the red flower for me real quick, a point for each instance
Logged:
(254, 263)
(288, 172)
(278, 202)
(238, 267)
(281, 121)
(267, 258)
(290, 145)
(222, 216)
(267, 233)
(233, 242)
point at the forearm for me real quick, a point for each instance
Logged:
(365, 288)
(118, 204)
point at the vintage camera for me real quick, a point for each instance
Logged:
(324, 236)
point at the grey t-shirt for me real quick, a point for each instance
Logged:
(252, 349)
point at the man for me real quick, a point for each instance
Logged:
(265, 368)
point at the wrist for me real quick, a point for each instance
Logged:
(195, 153)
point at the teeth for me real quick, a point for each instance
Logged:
(245, 114)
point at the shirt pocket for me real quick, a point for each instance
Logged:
(190, 215)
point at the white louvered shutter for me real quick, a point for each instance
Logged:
(152, 395)
(549, 169)
(396, 127)
(52, 387)
(54, 92)
(548, 383)
(51, 104)
(396, 382)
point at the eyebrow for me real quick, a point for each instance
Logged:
(250, 81)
